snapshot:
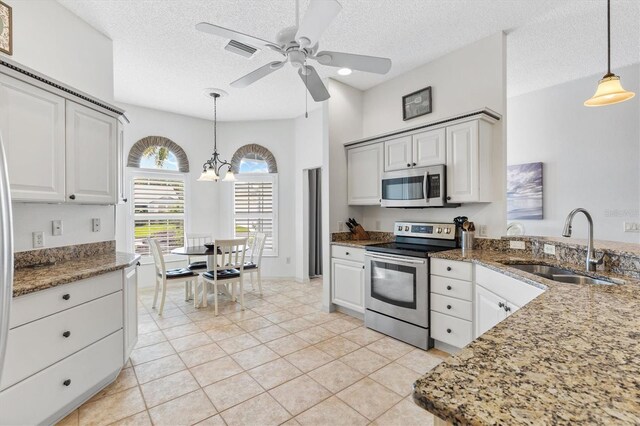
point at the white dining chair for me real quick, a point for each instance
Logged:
(229, 271)
(198, 263)
(252, 266)
(165, 276)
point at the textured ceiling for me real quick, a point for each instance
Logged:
(162, 62)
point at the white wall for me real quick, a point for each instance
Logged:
(591, 156)
(53, 41)
(465, 80)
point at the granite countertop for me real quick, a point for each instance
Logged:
(354, 243)
(572, 355)
(31, 279)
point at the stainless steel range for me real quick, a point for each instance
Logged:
(397, 280)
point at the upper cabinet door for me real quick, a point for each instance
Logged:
(463, 162)
(429, 148)
(32, 130)
(364, 175)
(398, 154)
(91, 156)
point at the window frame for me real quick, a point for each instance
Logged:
(261, 177)
(134, 173)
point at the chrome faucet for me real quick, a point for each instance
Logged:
(592, 259)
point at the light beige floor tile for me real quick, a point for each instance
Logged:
(338, 346)
(335, 376)
(254, 324)
(309, 358)
(203, 354)
(147, 327)
(213, 322)
(274, 373)
(232, 391)
(291, 422)
(261, 410)
(315, 334)
(216, 370)
(303, 310)
(254, 357)
(362, 336)
(125, 380)
(166, 388)
(149, 353)
(150, 339)
(318, 317)
(296, 324)
(224, 332)
(405, 413)
(239, 316)
(339, 325)
(369, 398)
(390, 348)
(332, 411)
(365, 361)
(212, 421)
(181, 331)
(270, 333)
(70, 420)
(280, 316)
(185, 410)
(238, 343)
(172, 321)
(419, 361)
(288, 344)
(140, 419)
(112, 408)
(397, 378)
(182, 344)
(159, 368)
(300, 394)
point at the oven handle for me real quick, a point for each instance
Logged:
(396, 259)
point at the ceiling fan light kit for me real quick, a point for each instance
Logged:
(345, 71)
(610, 90)
(299, 44)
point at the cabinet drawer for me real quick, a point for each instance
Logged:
(450, 306)
(348, 253)
(39, 344)
(38, 398)
(511, 289)
(452, 269)
(451, 287)
(454, 331)
(31, 307)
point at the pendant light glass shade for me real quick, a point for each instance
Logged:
(609, 92)
(208, 175)
(229, 177)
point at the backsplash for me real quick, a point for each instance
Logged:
(25, 259)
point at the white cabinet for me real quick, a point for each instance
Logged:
(364, 174)
(122, 164)
(489, 310)
(468, 161)
(32, 127)
(91, 158)
(398, 154)
(130, 295)
(429, 148)
(347, 277)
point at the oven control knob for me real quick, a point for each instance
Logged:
(400, 228)
(447, 230)
(439, 230)
(406, 229)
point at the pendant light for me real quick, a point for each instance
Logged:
(609, 90)
(211, 168)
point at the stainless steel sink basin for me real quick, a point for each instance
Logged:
(543, 270)
(581, 279)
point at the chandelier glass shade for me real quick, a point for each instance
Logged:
(211, 168)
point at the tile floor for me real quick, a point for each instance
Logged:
(281, 361)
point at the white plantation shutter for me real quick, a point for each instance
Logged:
(158, 212)
(255, 208)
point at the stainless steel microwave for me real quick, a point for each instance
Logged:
(418, 187)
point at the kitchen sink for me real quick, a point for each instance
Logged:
(560, 275)
(581, 279)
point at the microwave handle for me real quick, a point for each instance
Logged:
(427, 187)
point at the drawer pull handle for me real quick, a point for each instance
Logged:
(66, 296)
(507, 308)
(500, 305)
(72, 196)
(448, 268)
(448, 306)
(448, 287)
(66, 334)
(67, 382)
(138, 264)
(449, 330)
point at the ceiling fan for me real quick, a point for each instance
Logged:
(298, 44)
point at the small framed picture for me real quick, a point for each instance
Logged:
(416, 104)
(6, 29)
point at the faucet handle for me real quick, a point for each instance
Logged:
(597, 260)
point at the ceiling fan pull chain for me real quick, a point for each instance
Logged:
(298, 13)
(306, 92)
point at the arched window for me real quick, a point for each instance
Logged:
(160, 153)
(253, 158)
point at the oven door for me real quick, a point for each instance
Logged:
(398, 286)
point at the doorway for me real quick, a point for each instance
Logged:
(315, 222)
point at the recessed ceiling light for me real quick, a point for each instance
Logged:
(344, 71)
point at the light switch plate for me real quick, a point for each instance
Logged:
(56, 227)
(631, 227)
(38, 239)
(516, 244)
(95, 224)
(550, 249)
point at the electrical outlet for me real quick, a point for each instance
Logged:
(631, 227)
(550, 249)
(56, 227)
(378, 225)
(288, 260)
(341, 225)
(38, 239)
(95, 224)
(482, 230)
(516, 244)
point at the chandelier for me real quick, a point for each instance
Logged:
(211, 168)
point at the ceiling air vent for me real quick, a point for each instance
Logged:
(240, 48)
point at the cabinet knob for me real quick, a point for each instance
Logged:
(448, 268)
(408, 164)
(507, 308)
(66, 334)
(66, 296)
(448, 306)
(347, 253)
(67, 382)
(449, 330)
(72, 196)
(448, 198)
(500, 305)
(415, 164)
(448, 287)
(138, 264)
(124, 200)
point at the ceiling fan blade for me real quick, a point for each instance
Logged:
(256, 75)
(205, 27)
(355, 62)
(314, 84)
(316, 19)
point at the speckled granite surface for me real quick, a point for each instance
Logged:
(31, 279)
(354, 243)
(376, 237)
(570, 356)
(59, 254)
